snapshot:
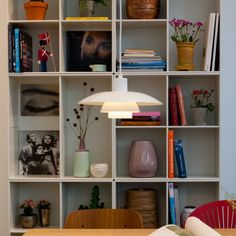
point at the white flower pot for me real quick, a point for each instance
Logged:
(199, 115)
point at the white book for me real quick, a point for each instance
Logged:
(215, 41)
(193, 227)
(177, 211)
(207, 53)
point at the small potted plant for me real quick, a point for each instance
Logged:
(201, 105)
(44, 212)
(185, 36)
(36, 9)
(28, 219)
(87, 6)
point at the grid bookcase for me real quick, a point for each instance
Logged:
(107, 141)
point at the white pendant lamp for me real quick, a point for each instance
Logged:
(120, 103)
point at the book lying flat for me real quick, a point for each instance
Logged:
(140, 123)
(87, 18)
(193, 227)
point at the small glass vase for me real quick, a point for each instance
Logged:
(86, 8)
(199, 115)
(44, 217)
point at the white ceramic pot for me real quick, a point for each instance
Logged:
(99, 170)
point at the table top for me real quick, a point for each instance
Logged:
(106, 232)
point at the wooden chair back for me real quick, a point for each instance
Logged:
(218, 214)
(104, 219)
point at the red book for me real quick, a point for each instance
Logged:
(181, 105)
(173, 107)
(170, 153)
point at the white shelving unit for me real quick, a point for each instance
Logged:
(106, 141)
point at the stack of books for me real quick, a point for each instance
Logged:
(148, 118)
(20, 51)
(142, 60)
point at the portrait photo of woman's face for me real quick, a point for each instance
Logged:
(39, 100)
(85, 48)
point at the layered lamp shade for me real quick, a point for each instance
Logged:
(120, 103)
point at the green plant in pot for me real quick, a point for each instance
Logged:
(28, 219)
(87, 6)
(36, 9)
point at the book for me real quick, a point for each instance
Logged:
(193, 227)
(177, 210)
(26, 52)
(180, 101)
(172, 203)
(87, 18)
(180, 159)
(11, 48)
(147, 113)
(85, 48)
(173, 107)
(140, 123)
(215, 42)
(170, 153)
(207, 51)
(17, 49)
(144, 63)
(146, 51)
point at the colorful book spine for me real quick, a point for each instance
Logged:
(170, 153)
(17, 48)
(172, 203)
(180, 100)
(180, 160)
(173, 107)
(145, 63)
(147, 113)
(140, 123)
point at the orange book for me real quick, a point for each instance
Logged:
(181, 105)
(170, 153)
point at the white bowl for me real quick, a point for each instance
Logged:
(99, 170)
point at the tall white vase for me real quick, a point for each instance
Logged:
(199, 116)
(81, 164)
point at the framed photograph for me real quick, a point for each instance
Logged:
(86, 48)
(39, 152)
(39, 100)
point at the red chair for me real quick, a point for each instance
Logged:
(218, 214)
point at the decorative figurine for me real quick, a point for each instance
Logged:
(43, 54)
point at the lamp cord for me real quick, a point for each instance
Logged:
(120, 36)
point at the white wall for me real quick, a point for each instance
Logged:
(228, 96)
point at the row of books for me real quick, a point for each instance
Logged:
(175, 154)
(211, 48)
(141, 59)
(174, 211)
(177, 115)
(148, 118)
(20, 54)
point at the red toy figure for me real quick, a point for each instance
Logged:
(43, 54)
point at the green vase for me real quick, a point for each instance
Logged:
(81, 164)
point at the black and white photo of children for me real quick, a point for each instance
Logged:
(39, 153)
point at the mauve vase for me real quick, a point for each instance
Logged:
(143, 161)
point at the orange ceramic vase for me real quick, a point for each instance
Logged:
(35, 10)
(185, 52)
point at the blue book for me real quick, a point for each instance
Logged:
(172, 203)
(145, 63)
(179, 156)
(17, 49)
